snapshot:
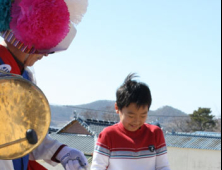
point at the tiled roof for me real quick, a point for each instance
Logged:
(97, 126)
(82, 123)
(80, 142)
(207, 134)
(194, 140)
(94, 127)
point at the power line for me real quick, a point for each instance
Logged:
(105, 111)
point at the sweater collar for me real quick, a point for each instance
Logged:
(129, 133)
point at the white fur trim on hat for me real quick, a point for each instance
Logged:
(77, 9)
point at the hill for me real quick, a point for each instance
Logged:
(104, 110)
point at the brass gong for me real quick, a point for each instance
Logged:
(23, 106)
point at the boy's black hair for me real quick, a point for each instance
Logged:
(133, 92)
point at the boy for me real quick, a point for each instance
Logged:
(131, 144)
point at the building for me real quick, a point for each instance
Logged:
(81, 134)
(194, 151)
(187, 151)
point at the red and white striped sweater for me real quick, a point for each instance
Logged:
(119, 149)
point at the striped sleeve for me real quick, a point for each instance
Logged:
(101, 149)
(162, 162)
(102, 153)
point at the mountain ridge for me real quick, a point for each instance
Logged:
(104, 109)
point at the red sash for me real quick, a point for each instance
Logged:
(7, 58)
(33, 165)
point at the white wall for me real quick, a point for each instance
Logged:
(194, 159)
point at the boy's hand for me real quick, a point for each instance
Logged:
(73, 159)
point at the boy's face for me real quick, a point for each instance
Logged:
(132, 117)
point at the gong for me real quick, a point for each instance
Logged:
(24, 117)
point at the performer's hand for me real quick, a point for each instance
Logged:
(72, 159)
(74, 165)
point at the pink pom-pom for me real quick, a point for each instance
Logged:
(40, 23)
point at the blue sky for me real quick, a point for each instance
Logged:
(174, 46)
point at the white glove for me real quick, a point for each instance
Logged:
(72, 159)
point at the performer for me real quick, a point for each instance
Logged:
(31, 30)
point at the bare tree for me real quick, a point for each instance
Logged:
(111, 117)
(90, 115)
(218, 126)
(178, 124)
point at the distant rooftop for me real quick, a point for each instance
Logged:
(197, 140)
(209, 134)
(94, 127)
(97, 126)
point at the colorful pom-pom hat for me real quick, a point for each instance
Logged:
(40, 26)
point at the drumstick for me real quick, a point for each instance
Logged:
(31, 137)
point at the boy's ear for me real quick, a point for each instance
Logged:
(116, 108)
